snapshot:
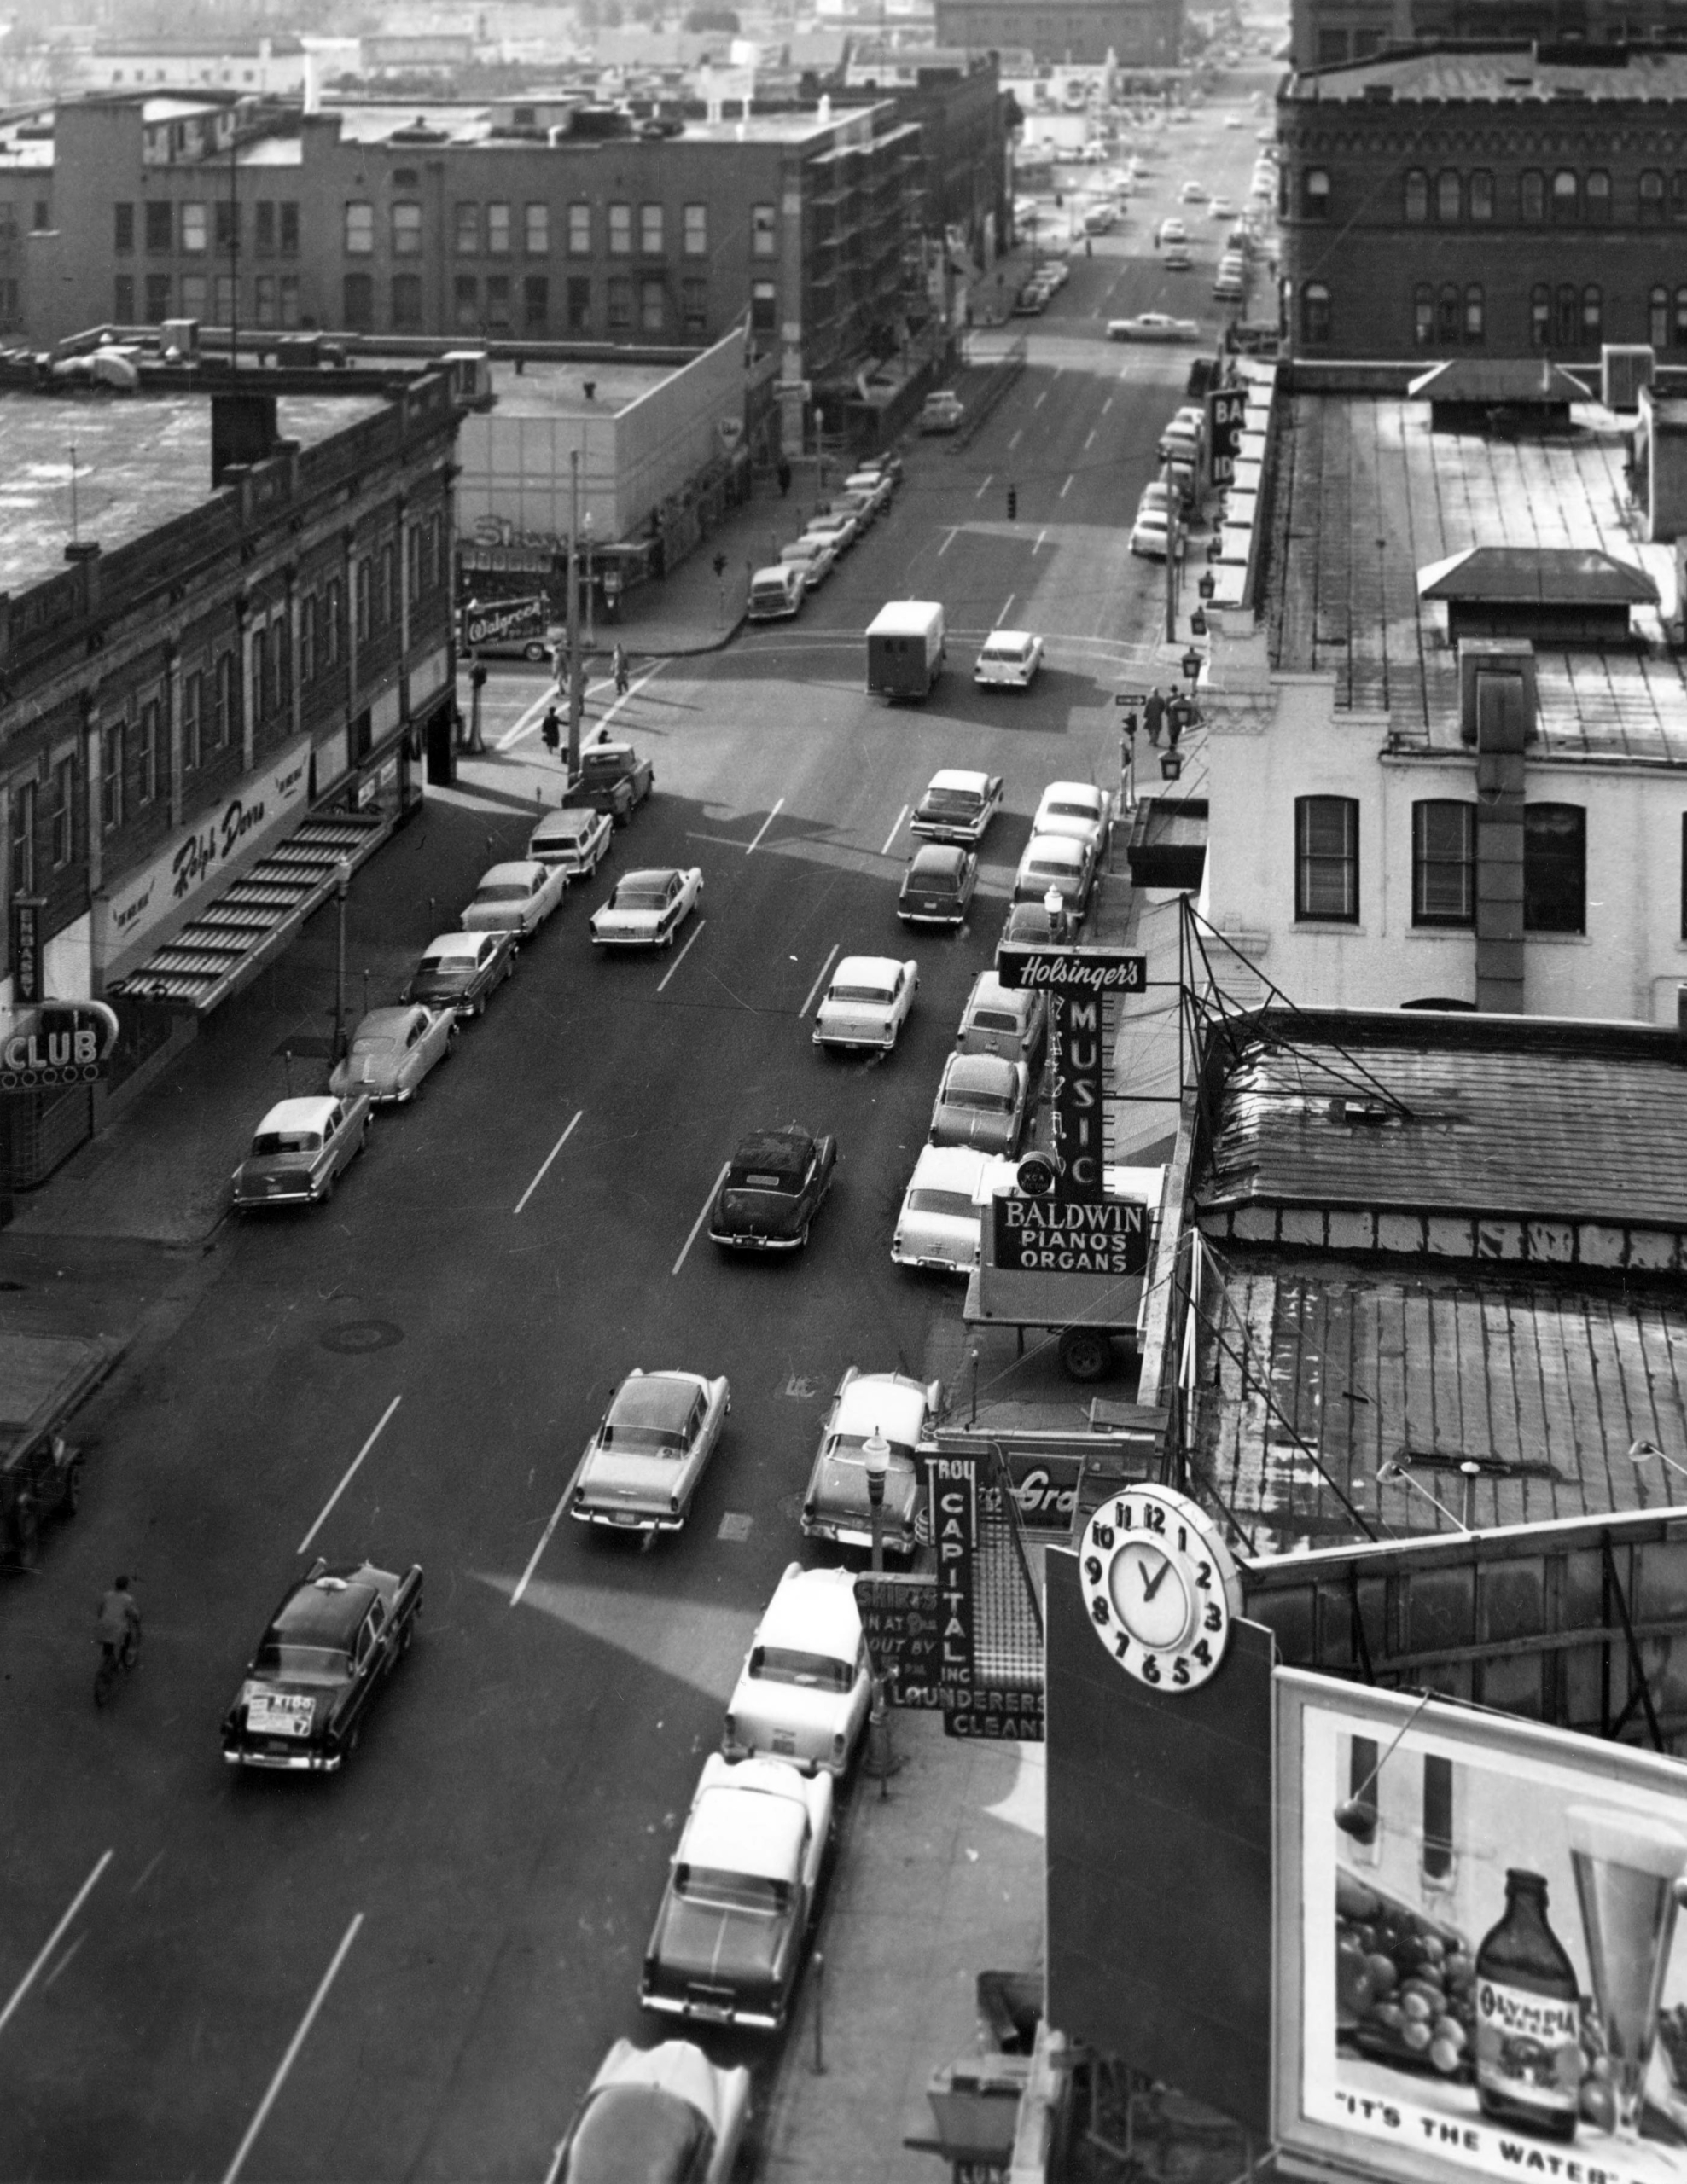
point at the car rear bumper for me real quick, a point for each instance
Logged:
(710, 2012)
(627, 1520)
(730, 1242)
(844, 1534)
(931, 1262)
(956, 917)
(883, 1041)
(284, 1763)
(625, 939)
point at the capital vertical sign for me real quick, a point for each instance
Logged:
(954, 1498)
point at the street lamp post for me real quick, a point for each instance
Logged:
(591, 604)
(879, 1762)
(574, 614)
(342, 889)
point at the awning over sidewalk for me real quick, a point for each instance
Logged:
(237, 933)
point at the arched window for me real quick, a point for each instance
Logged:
(1423, 314)
(1315, 194)
(1532, 194)
(1449, 195)
(1315, 314)
(1657, 319)
(1481, 194)
(1447, 313)
(1566, 316)
(1416, 193)
(1592, 315)
(1651, 198)
(1475, 314)
(1678, 195)
(1566, 197)
(1540, 315)
(1597, 197)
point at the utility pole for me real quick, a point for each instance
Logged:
(234, 242)
(1173, 527)
(573, 616)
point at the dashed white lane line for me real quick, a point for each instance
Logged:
(1006, 604)
(231, 2174)
(895, 830)
(696, 935)
(1041, 536)
(545, 1166)
(1107, 405)
(1017, 438)
(833, 957)
(985, 487)
(948, 541)
(351, 1472)
(1041, 399)
(1091, 442)
(53, 1940)
(765, 824)
(702, 1217)
(1066, 488)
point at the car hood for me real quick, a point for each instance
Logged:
(611, 1480)
(990, 1133)
(716, 1945)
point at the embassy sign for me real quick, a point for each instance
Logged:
(62, 1043)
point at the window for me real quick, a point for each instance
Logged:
(694, 305)
(498, 230)
(536, 303)
(466, 304)
(1540, 315)
(227, 224)
(224, 725)
(1475, 314)
(1332, 48)
(413, 563)
(267, 310)
(1423, 314)
(123, 229)
(263, 681)
(63, 811)
(158, 298)
(653, 306)
(764, 231)
(406, 228)
(650, 230)
(194, 232)
(23, 838)
(764, 307)
(1314, 314)
(1597, 197)
(334, 622)
(1566, 197)
(160, 223)
(1566, 316)
(1315, 194)
(387, 602)
(193, 713)
(579, 231)
(1327, 858)
(359, 302)
(1683, 875)
(1449, 195)
(1651, 198)
(146, 751)
(289, 227)
(620, 231)
(112, 740)
(1438, 1836)
(407, 303)
(363, 599)
(123, 300)
(359, 229)
(1680, 316)
(1592, 315)
(1532, 194)
(536, 231)
(695, 230)
(1657, 318)
(1416, 193)
(288, 302)
(1678, 195)
(620, 303)
(309, 609)
(195, 294)
(497, 302)
(580, 304)
(1448, 314)
(467, 230)
(1481, 194)
(1555, 868)
(264, 234)
(224, 313)
(1443, 863)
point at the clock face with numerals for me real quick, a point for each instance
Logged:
(1161, 1585)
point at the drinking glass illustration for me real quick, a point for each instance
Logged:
(1626, 1868)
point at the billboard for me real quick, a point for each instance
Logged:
(1476, 1969)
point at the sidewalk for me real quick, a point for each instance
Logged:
(693, 610)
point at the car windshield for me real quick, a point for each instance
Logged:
(319, 1664)
(976, 1097)
(1073, 810)
(953, 1206)
(961, 803)
(1005, 651)
(605, 765)
(269, 1142)
(640, 895)
(444, 970)
(503, 890)
(879, 996)
(716, 1888)
(994, 1019)
(1047, 869)
(814, 1671)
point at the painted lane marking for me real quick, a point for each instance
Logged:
(1041, 536)
(53, 1940)
(697, 934)
(535, 713)
(896, 829)
(232, 2172)
(766, 823)
(1107, 405)
(545, 1166)
(1091, 442)
(1016, 440)
(985, 487)
(1066, 488)
(350, 1474)
(1006, 604)
(702, 1217)
(819, 982)
(948, 541)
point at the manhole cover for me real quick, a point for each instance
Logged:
(736, 1525)
(351, 1337)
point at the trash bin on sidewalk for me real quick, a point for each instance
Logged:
(976, 2102)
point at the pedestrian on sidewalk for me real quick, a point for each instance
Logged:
(551, 731)
(1180, 715)
(1154, 714)
(784, 477)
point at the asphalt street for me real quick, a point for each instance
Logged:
(412, 1969)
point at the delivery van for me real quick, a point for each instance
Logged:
(906, 648)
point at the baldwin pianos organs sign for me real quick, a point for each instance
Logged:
(1071, 1235)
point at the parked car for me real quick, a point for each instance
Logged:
(814, 556)
(1221, 208)
(459, 970)
(1032, 925)
(612, 779)
(1030, 301)
(1008, 656)
(836, 1505)
(802, 1692)
(575, 839)
(647, 908)
(942, 411)
(1056, 861)
(643, 1465)
(862, 508)
(888, 465)
(665, 2115)
(391, 1050)
(867, 1002)
(300, 1150)
(336, 1636)
(1075, 808)
(981, 1101)
(775, 592)
(937, 1227)
(1153, 326)
(874, 485)
(1012, 1022)
(742, 1894)
(937, 888)
(1170, 231)
(516, 897)
(1193, 192)
(838, 531)
(775, 1183)
(1150, 533)
(957, 806)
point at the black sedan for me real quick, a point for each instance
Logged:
(937, 888)
(458, 970)
(337, 1636)
(774, 1185)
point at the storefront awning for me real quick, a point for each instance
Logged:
(258, 913)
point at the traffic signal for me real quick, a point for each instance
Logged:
(1013, 503)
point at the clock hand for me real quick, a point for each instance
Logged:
(1151, 1585)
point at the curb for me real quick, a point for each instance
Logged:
(692, 652)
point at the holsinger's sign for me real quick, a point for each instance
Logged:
(1073, 970)
(1055, 1235)
(1477, 1972)
(228, 836)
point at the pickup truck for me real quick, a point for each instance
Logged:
(613, 778)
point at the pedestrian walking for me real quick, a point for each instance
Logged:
(784, 476)
(622, 676)
(1154, 714)
(551, 731)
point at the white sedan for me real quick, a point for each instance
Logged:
(837, 528)
(957, 806)
(815, 557)
(392, 1050)
(516, 897)
(867, 1002)
(1075, 808)
(646, 909)
(1010, 656)
(802, 1692)
(647, 2103)
(938, 1228)
(1153, 326)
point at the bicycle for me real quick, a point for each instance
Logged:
(124, 1655)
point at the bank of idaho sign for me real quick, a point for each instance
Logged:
(59, 1042)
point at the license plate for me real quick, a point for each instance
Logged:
(279, 1715)
(622, 1517)
(784, 1743)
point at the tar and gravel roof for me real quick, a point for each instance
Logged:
(1514, 74)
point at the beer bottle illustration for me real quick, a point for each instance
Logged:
(1528, 2018)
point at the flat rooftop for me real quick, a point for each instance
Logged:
(545, 390)
(473, 125)
(1367, 495)
(1513, 74)
(141, 460)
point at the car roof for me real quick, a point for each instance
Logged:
(748, 1818)
(981, 1072)
(890, 1401)
(325, 1610)
(949, 1168)
(312, 1114)
(778, 1152)
(860, 969)
(608, 750)
(456, 943)
(568, 824)
(659, 1399)
(1076, 793)
(1052, 849)
(813, 1611)
(647, 876)
(778, 572)
(522, 868)
(938, 856)
(381, 1020)
(989, 992)
(1019, 637)
(958, 777)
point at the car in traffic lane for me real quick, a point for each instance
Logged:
(1009, 657)
(775, 1183)
(461, 970)
(802, 1692)
(1153, 326)
(516, 897)
(643, 1467)
(392, 1051)
(664, 2115)
(647, 908)
(957, 806)
(300, 1150)
(836, 1504)
(337, 1635)
(866, 1002)
(937, 888)
(614, 779)
(942, 411)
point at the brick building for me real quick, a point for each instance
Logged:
(224, 655)
(1137, 33)
(1325, 33)
(1506, 203)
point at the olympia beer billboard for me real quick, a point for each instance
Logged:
(1477, 1969)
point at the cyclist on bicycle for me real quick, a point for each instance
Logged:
(119, 1620)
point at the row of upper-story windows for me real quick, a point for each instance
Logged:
(192, 227)
(1443, 863)
(502, 229)
(270, 300)
(1562, 315)
(497, 303)
(1535, 197)
(35, 848)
